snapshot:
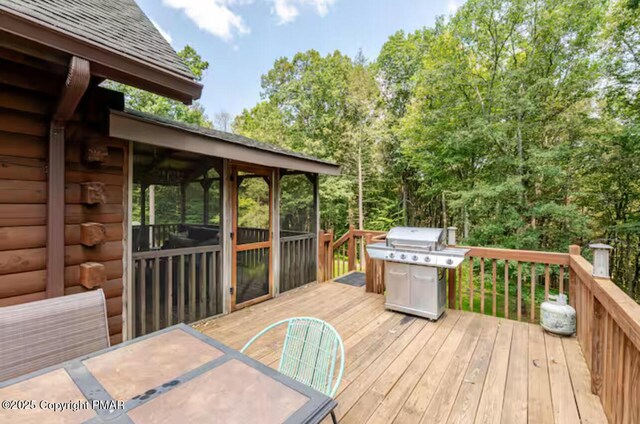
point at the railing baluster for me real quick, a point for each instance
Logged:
(532, 312)
(143, 298)
(181, 286)
(547, 281)
(482, 285)
(495, 303)
(506, 289)
(169, 300)
(155, 290)
(203, 286)
(192, 287)
(519, 295)
(561, 278)
(471, 283)
(460, 288)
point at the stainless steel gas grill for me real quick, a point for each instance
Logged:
(414, 273)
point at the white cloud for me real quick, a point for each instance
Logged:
(213, 16)
(288, 10)
(162, 32)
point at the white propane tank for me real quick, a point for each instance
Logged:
(557, 316)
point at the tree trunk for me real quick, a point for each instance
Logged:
(360, 202)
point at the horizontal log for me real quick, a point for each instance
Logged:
(23, 260)
(22, 214)
(78, 132)
(112, 288)
(19, 191)
(113, 268)
(29, 237)
(23, 283)
(73, 194)
(77, 254)
(115, 324)
(74, 154)
(83, 176)
(21, 100)
(17, 168)
(17, 300)
(114, 306)
(115, 339)
(21, 145)
(551, 258)
(25, 191)
(76, 214)
(23, 123)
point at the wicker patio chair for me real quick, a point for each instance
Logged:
(40, 334)
(309, 353)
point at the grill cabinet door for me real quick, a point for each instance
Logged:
(424, 288)
(397, 283)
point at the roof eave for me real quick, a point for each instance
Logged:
(130, 127)
(105, 62)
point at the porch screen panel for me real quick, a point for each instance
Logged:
(177, 254)
(298, 246)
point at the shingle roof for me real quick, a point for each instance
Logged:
(115, 24)
(225, 136)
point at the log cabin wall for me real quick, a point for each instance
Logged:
(95, 183)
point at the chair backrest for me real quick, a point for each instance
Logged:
(40, 334)
(310, 353)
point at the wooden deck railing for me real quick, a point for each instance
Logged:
(609, 334)
(177, 285)
(343, 255)
(513, 283)
(297, 259)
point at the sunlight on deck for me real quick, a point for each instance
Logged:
(465, 367)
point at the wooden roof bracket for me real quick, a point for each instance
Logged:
(74, 88)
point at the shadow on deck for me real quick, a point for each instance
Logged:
(465, 367)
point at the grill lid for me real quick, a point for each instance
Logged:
(423, 238)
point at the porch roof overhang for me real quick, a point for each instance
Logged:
(150, 129)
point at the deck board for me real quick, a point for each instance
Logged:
(465, 367)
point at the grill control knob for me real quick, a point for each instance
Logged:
(403, 256)
(449, 261)
(391, 255)
(415, 257)
(427, 259)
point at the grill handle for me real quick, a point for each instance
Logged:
(410, 246)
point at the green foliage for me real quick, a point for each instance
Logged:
(157, 105)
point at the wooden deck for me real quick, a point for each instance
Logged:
(463, 368)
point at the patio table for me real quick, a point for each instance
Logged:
(176, 375)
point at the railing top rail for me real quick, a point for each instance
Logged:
(306, 236)
(551, 258)
(152, 254)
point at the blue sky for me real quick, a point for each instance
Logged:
(242, 38)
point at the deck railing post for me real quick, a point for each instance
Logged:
(451, 290)
(368, 267)
(351, 249)
(574, 249)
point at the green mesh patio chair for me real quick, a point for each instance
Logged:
(309, 353)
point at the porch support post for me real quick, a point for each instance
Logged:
(74, 88)
(275, 230)
(225, 235)
(143, 205)
(183, 202)
(316, 223)
(206, 185)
